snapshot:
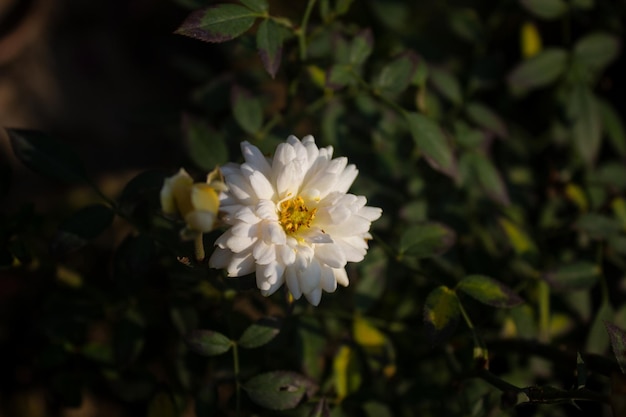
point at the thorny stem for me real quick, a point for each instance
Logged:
(301, 31)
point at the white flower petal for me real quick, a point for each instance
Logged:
(328, 280)
(241, 264)
(273, 233)
(291, 278)
(287, 254)
(238, 243)
(261, 186)
(370, 213)
(255, 158)
(309, 278)
(330, 254)
(270, 277)
(264, 253)
(314, 297)
(341, 276)
(346, 179)
(266, 209)
(220, 258)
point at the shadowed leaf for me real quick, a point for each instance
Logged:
(338, 76)
(441, 314)
(219, 23)
(256, 5)
(205, 146)
(584, 114)
(617, 337)
(208, 342)
(361, 47)
(488, 177)
(269, 42)
(426, 240)
(260, 333)
(432, 143)
(46, 156)
(247, 110)
(398, 74)
(539, 71)
(613, 126)
(597, 50)
(489, 291)
(598, 226)
(579, 275)
(486, 118)
(546, 9)
(278, 390)
(447, 85)
(86, 224)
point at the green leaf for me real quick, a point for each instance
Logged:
(618, 343)
(447, 85)
(260, 333)
(377, 409)
(338, 76)
(613, 126)
(247, 110)
(583, 4)
(218, 23)
(488, 177)
(205, 146)
(162, 405)
(426, 240)
(597, 50)
(432, 142)
(546, 9)
(342, 6)
(576, 276)
(397, 75)
(361, 47)
(372, 280)
(466, 24)
(277, 390)
(611, 175)
(489, 291)
(486, 118)
(269, 42)
(46, 156)
(598, 339)
(209, 342)
(441, 314)
(256, 5)
(598, 226)
(584, 114)
(467, 137)
(84, 225)
(538, 71)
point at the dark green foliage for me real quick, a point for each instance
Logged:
(493, 138)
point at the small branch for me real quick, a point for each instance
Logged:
(301, 31)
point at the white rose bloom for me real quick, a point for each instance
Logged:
(291, 219)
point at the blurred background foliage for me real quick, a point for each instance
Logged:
(491, 134)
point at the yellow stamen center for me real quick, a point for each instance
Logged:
(294, 214)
